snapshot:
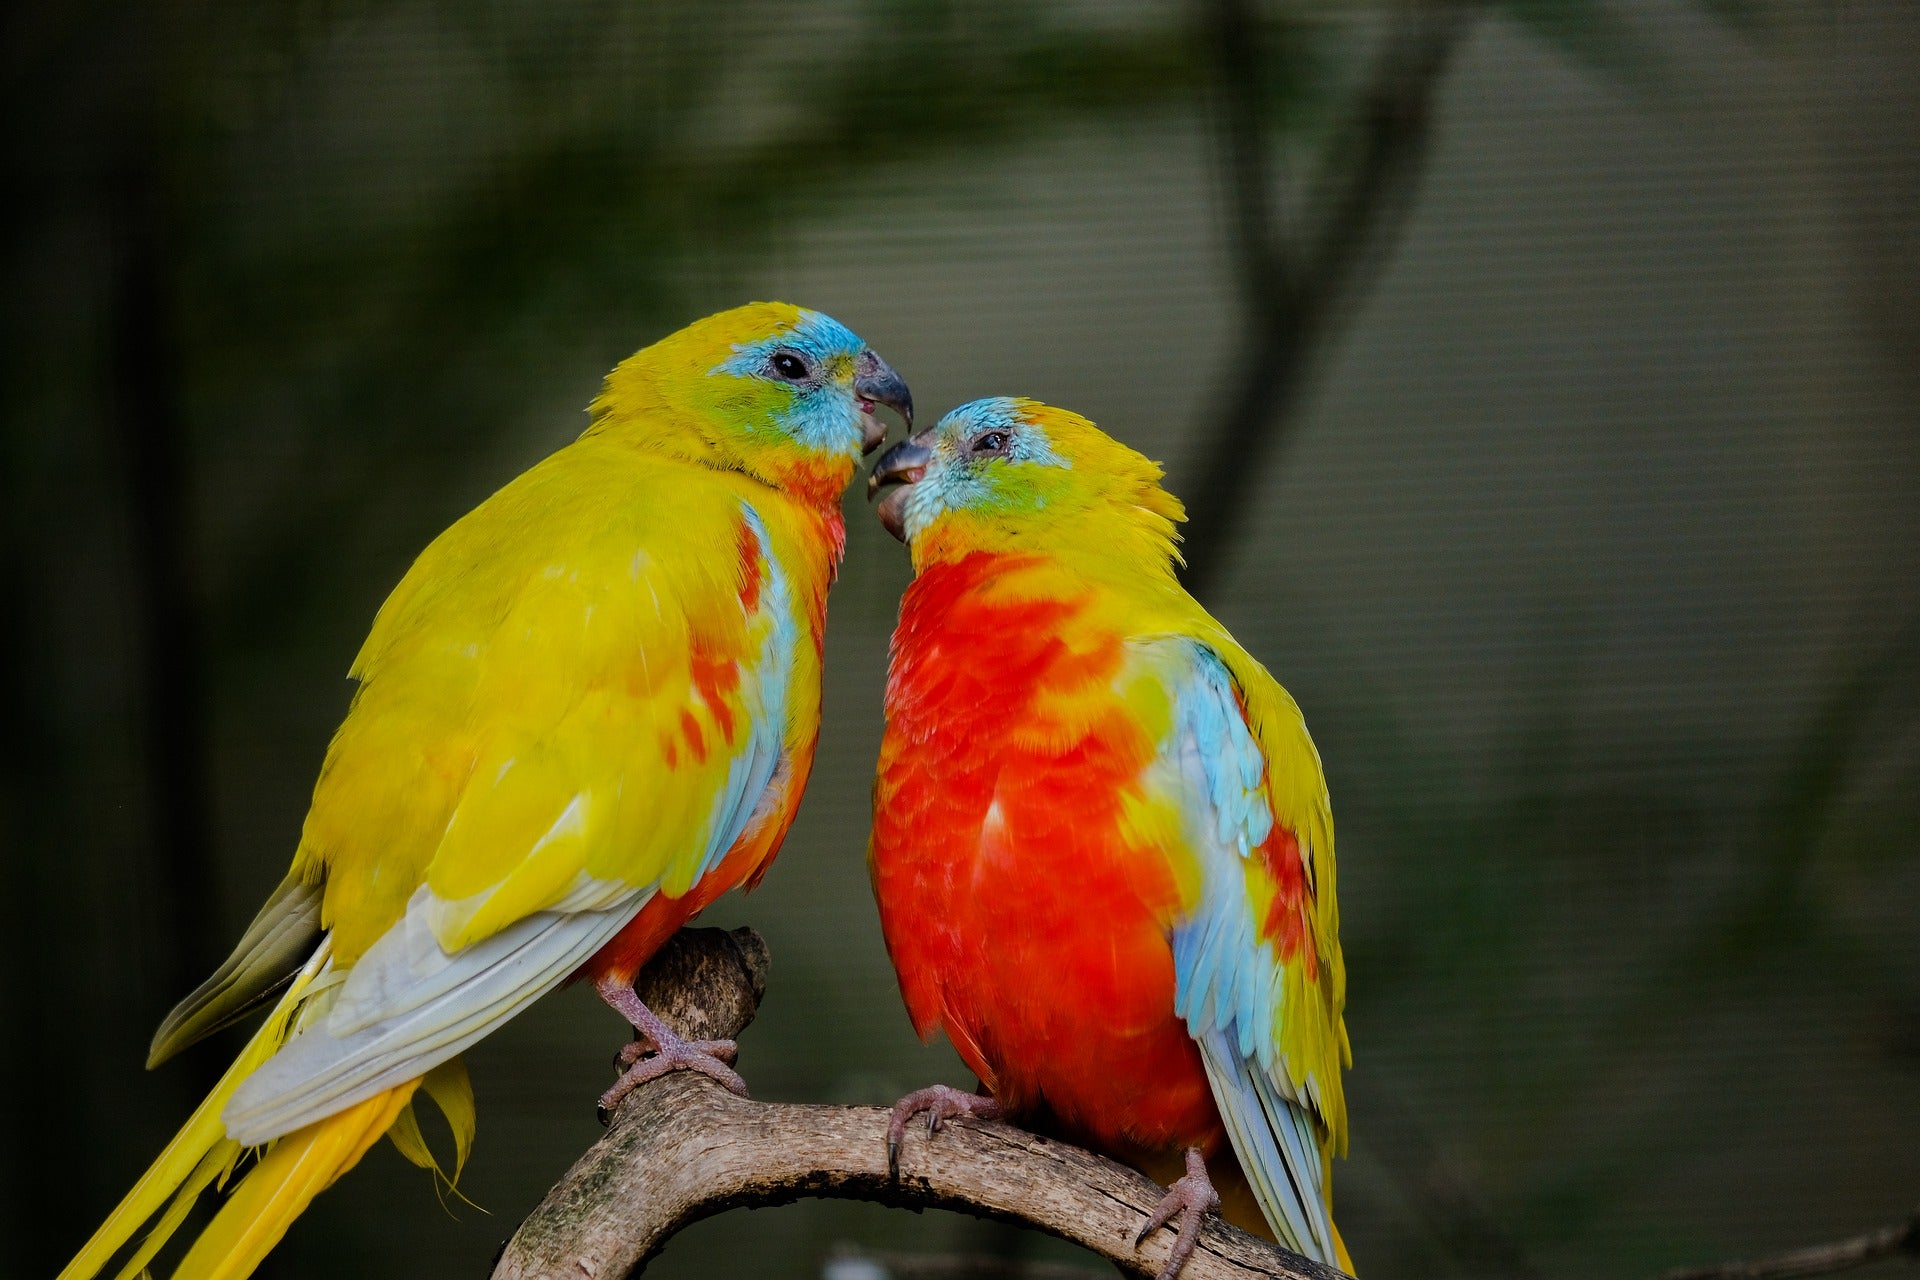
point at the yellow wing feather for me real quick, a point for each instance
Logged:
(576, 698)
(570, 653)
(1313, 1035)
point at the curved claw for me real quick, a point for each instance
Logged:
(669, 1052)
(637, 1050)
(940, 1102)
(1190, 1200)
(708, 1057)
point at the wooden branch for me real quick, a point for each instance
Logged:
(682, 1149)
(1366, 182)
(1819, 1260)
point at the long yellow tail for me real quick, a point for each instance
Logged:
(276, 1191)
(293, 1170)
(1341, 1256)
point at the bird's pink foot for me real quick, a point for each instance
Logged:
(940, 1102)
(1189, 1200)
(659, 1051)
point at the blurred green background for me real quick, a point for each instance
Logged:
(1544, 375)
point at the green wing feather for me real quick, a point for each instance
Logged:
(267, 956)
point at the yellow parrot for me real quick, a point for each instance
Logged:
(588, 710)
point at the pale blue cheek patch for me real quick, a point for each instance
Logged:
(946, 488)
(825, 418)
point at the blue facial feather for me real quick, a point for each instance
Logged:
(823, 416)
(958, 482)
(1029, 442)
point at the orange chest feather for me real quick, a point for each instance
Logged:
(1021, 914)
(1001, 725)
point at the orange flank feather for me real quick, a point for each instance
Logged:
(1021, 915)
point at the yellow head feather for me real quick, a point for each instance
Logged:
(712, 394)
(1013, 474)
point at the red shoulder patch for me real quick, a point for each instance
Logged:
(1286, 924)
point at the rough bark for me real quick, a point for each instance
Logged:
(682, 1149)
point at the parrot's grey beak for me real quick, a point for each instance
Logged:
(902, 466)
(875, 382)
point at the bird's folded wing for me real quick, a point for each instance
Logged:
(1255, 978)
(443, 1002)
(266, 958)
(630, 733)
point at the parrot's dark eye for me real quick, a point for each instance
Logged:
(992, 442)
(789, 366)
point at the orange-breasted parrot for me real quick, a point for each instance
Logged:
(588, 709)
(1102, 841)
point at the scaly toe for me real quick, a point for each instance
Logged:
(940, 1102)
(1190, 1200)
(630, 1053)
(709, 1058)
(724, 1050)
(636, 1050)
